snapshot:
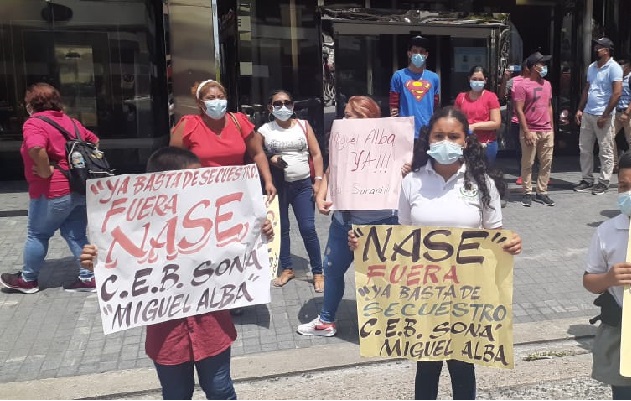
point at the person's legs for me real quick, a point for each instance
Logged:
(304, 209)
(515, 133)
(527, 159)
(626, 127)
(545, 148)
(284, 199)
(621, 393)
(586, 140)
(491, 153)
(177, 381)
(426, 383)
(605, 136)
(73, 230)
(214, 377)
(462, 379)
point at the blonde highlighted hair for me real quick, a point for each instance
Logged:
(364, 106)
(199, 92)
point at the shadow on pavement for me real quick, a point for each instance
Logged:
(345, 320)
(255, 314)
(605, 213)
(583, 333)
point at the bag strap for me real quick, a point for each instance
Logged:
(235, 121)
(304, 130)
(61, 129)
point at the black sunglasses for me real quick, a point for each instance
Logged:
(280, 103)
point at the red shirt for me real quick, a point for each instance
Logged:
(478, 111)
(198, 337)
(226, 149)
(40, 134)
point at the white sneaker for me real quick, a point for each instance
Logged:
(316, 327)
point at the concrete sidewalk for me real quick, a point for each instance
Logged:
(270, 366)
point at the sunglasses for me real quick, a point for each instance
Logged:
(281, 103)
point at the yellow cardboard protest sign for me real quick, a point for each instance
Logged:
(273, 245)
(625, 341)
(431, 294)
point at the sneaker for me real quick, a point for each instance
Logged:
(80, 285)
(600, 189)
(526, 200)
(583, 186)
(544, 199)
(15, 281)
(518, 181)
(316, 327)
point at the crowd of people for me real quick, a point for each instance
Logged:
(450, 181)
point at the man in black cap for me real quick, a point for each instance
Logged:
(414, 90)
(595, 116)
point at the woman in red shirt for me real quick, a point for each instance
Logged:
(482, 109)
(218, 139)
(52, 206)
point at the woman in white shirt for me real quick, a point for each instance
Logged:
(449, 187)
(291, 142)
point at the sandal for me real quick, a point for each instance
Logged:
(318, 282)
(285, 276)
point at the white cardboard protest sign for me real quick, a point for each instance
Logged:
(177, 243)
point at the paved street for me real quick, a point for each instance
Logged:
(57, 334)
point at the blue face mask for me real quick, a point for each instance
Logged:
(476, 86)
(624, 203)
(216, 108)
(283, 113)
(445, 152)
(544, 71)
(418, 60)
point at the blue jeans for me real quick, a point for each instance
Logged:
(515, 132)
(491, 153)
(462, 379)
(337, 260)
(621, 393)
(45, 216)
(178, 381)
(299, 194)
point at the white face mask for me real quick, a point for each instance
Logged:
(283, 113)
(216, 108)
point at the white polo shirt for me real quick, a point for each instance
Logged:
(608, 247)
(427, 200)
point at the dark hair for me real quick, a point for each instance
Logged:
(276, 92)
(171, 158)
(473, 154)
(42, 97)
(624, 61)
(478, 68)
(625, 161)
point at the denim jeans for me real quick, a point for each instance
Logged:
(491, 153)
(299, 194)
(621, 393)
(45, 216)
(337, 260)
(515, 132)
(178, 381)
(462, 380)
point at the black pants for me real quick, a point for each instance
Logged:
(462, 380)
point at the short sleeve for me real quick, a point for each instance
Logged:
(492, 216)
(616, 73)
(520, 93)
(87, 135)
(34, 135)
(436, 85)
(246, 125)
(395, 83)
(405, 208)
(459, 101)
(596, 262)
(189, 125)
(492, 100)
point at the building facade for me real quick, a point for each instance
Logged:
(125, 67)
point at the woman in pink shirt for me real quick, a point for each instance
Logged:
(52, 205)
(482, 109)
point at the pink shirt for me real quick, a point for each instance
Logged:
(478, 111)
(537, 97)
(40, 134)
(516, 82)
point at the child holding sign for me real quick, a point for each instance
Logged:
(449, 187)
(607, 273)
(200, 342)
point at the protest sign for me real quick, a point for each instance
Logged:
(625, 341)
(178, 243)
(273, 246)
(366, 156)
(431, 294)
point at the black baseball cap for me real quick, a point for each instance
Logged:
(604, 42)
(418, 41)
(535, 58)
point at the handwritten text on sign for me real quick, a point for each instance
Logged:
(431, 294)
(366, 157)
(177, 243)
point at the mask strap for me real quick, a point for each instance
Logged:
(199, 88)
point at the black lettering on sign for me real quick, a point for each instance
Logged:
(169, 274)
(415, 252)
(364, 331)
(469, 235)
(487, 352)
(433, 245)
(106, 296)
(373, 237)
(136, 288)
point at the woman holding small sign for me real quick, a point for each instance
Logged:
(292, 147)
(449, 187)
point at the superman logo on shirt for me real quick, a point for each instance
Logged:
(418, 88)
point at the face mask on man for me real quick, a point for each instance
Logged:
(624, 202)
(216, 108)
(543, 71)
(445, 152)
(418, 60)
(476, 86)
(283, 113)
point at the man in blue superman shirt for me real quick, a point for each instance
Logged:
(414, 90)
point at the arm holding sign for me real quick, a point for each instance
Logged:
(254, 147)
(316, 156)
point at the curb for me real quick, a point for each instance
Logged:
(265, 365)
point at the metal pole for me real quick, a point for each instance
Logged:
(215, 22)
(587, 33)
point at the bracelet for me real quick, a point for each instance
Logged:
(317, 178)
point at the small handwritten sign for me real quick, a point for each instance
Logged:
(273, 246)
(431, 294)
(177, 243)
(366, 158)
